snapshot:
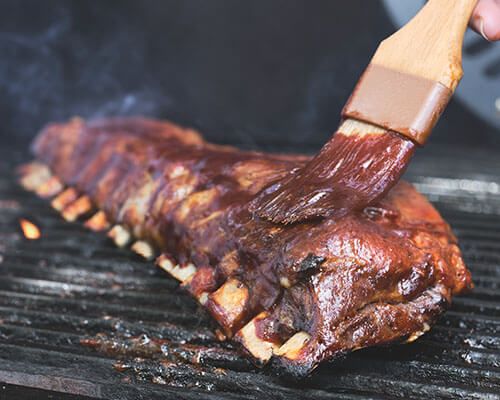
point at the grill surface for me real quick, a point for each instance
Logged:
(73, 284)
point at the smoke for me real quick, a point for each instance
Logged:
(29, 71)
(59, 61)
(226, 68)
(145, 103)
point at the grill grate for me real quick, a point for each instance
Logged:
(72, 284)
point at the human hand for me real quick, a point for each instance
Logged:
(485, 19)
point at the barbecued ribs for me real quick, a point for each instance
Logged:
(297, 294)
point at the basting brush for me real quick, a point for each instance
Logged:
(392, 110)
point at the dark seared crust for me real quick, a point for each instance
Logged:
(361, 279)
(374, 324)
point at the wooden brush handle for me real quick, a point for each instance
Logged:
(413, 73)
(430, 45)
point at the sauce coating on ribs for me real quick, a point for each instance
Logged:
(295, 294)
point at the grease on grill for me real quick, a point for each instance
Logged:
(166, 362)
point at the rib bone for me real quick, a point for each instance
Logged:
(143, 248)
(64, 199)
(33, 175)
(50, 188)
(203, 297)
(260, 349)
(292, 346)
(228, 304)
(80, 206)
(120, 235)
(98, 222)
(414, 336)
(180, 273)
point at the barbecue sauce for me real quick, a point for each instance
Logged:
(350, 173)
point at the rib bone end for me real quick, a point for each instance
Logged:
(417, 334)
(203, 297)
(120, 235)
(50, 188)
(261, 350)
(180, 273)
(98, 222)
(64, 199)
(143, 248)
(80, 206)
(228, 304)
(33, 175)
(291, 348)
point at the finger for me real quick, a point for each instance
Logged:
(486, 19)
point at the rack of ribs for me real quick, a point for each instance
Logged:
(291, 295)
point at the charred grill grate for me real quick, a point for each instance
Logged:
(72, 285)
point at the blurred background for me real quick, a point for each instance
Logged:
(269, 74)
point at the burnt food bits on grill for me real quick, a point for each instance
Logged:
(297, 294)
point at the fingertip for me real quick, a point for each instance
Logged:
(478, 26)
(486, 19)
(492, 33)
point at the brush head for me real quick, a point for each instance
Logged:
(352, 171)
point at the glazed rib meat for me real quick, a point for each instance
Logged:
(291, 294)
